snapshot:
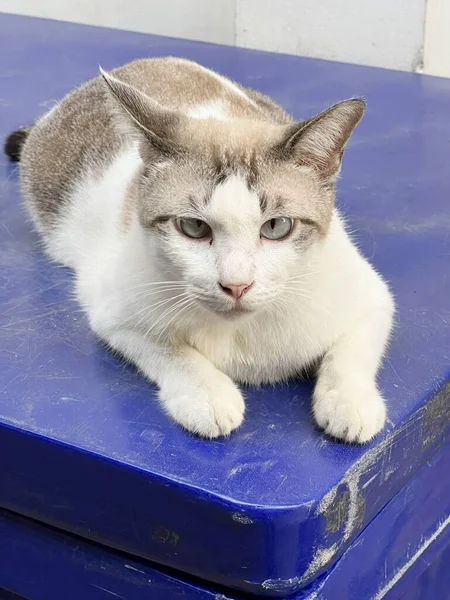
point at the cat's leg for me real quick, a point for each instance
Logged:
(346, 401)
(192, 391)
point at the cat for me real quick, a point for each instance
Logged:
(200, 221)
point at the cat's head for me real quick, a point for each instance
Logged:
(236, 206)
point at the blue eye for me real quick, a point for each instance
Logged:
(194, 228)
(277, 229)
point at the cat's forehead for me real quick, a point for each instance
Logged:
(233, 202)
(234, 137)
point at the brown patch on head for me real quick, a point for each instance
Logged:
(230, 147)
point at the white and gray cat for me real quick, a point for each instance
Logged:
(199, 219)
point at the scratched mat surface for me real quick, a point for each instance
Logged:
(84, 444)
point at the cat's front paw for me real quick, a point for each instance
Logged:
(352, 410)
(210, 410)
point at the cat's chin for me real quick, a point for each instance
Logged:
(236, 313)
(230, 314)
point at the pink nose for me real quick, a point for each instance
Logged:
(237, 291)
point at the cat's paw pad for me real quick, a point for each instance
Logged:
(350, 413)
(210, 411)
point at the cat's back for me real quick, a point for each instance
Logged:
(79, 137)
(186, 86)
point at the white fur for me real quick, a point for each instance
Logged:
(330, 303)
(228, 85)
(209, 110)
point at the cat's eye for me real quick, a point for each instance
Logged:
(194, 228)
(277, 229)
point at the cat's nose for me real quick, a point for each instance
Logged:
(235, 290)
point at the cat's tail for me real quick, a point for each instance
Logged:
(14, 143)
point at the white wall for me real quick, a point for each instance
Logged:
(385, 33)
(205, 20)
(437, 38)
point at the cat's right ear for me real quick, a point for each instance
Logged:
(144, 117)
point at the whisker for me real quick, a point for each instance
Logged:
(144, 293)
(148, 314)
(299, 298)
(164, 314)
(295, 290)
(151, 284)
(149, 309)
(155, 286)
(177, 314)
(304, 275)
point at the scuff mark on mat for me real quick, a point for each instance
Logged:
(343, 507)
(399, 574)
(107, 591)
(240, 517)
(437, 415)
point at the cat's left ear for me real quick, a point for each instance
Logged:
(141, 116)
(320, 141)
